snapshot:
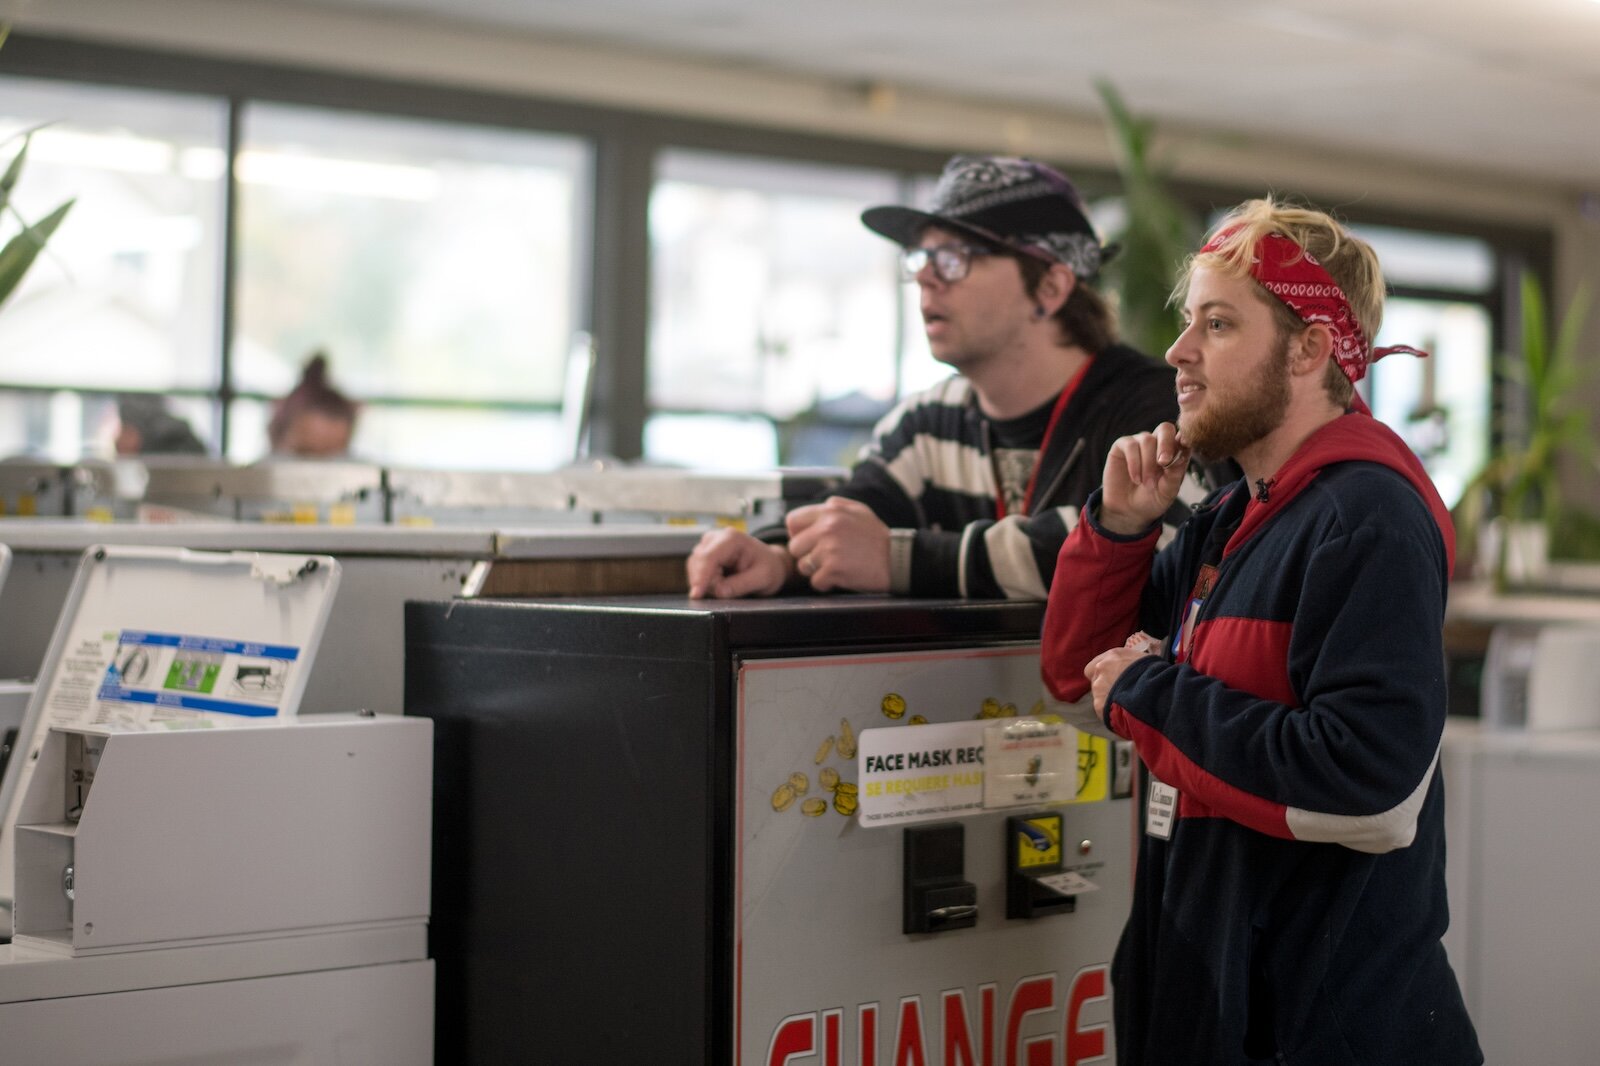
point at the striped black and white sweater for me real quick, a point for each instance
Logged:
(928, 467)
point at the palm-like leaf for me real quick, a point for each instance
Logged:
(1156, 236)
(1522, 480)
(21, 250)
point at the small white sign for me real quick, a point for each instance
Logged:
(915, 775)
(1028, 763)
(1069, 883)
(1161, 811)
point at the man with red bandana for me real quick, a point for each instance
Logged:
(1279, 668)
(969, 488)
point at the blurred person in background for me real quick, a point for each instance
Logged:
(146, 427)
(315, 420)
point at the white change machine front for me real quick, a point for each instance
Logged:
(196, 874)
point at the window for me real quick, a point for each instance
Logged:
(768, 298)
(431, 261)
(442, 258)
(1439, 405)
(127, 295)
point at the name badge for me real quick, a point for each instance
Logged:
(1161, 810)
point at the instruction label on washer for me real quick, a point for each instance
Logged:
(138, 678)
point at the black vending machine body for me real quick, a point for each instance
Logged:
(584, 808)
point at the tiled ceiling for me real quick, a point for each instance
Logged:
(1502, 87)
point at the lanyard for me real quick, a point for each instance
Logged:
(1038, 460)
(1204, 582)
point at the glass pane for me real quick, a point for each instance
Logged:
(127, 293)
(67, 425)
(767, 292)
(711, 442)
(1440, 405)
(1431, 260)
(1424, 260)
(435, 438)
(427, 259)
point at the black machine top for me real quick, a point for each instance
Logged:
(749, 624)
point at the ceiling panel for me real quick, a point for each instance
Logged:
(1510, 88)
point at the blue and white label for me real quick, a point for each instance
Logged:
(165, 677)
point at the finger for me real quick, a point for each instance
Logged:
(1124, 459)
(701, 569)
(1150, 455)
(1169, 447)
(805, 542)
(1143, 643)
(1173, 474)
(801, 518)
(739, 584)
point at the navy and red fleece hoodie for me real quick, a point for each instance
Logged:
(1295, 914)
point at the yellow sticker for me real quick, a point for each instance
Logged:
(1039, 842)
(1094, 768)
(342, 514)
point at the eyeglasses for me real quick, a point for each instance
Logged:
(951, 262)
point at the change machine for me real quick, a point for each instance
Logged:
(195, 874)
(831, 831)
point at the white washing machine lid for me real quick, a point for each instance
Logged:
(168, 638)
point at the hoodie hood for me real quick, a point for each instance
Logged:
(1355, 437)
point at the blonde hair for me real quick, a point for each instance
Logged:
(1348, 259)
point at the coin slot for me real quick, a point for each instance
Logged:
(1034, 853)
(937, 897)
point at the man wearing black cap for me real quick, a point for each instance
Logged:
(970, 488)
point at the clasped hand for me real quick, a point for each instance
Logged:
(836, 544)
(1105, 669)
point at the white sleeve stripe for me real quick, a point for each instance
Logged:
(945, 464)
(1372, 833)
(961, 561)
(1011, 560)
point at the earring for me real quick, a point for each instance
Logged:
(1038, 312)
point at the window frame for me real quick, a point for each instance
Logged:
(613, 293)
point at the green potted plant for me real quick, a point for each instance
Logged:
(1513, 507)
(18, 253)
(1157, 233)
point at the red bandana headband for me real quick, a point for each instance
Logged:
(1295, 277)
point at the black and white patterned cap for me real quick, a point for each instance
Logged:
(1013, 203)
